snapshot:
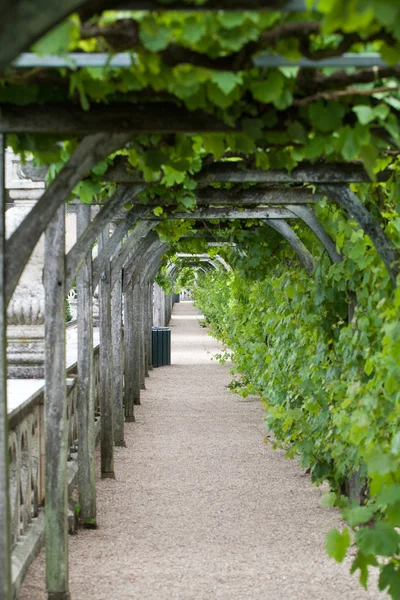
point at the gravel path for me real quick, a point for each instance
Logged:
(202, 508)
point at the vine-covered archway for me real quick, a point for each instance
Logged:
(270, 125)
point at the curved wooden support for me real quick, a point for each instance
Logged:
(304, 256)
(308, 216)
(127, 250)
(113, 248)
(139, 248)
(352, 204)
(21, 244)
(76, 255)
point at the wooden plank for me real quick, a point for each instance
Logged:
(5, 537)
(56, 425)
(20, 245)
(85, 405)
(106, 369)
(118, 361)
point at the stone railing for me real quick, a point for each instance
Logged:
(26, 466)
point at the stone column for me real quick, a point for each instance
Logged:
(25, 313)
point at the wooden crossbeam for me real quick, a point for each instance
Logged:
(251, 197)
(179, 5)
(69, 120)
(259, 212)
(228, 172)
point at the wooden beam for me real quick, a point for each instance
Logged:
(56, 424)
(5, 536)
(255, 196)
(258, 212)
(85, 405)
(69, 120)
(228, 172)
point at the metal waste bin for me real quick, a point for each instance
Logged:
(177, 298)
(161, 346)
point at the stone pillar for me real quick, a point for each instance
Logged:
(25, 313)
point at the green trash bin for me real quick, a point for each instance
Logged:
(161, 346)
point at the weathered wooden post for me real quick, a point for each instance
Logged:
(136, 348)
(128, 330)
(118, 361)
(149, 319)
(5, 537)
(106, 369)
(86, 422)
(56, 425)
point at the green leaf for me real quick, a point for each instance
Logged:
(219, 98)
(328, 499)
(155, 158)
(380, 463)
(369, 155)
(390, 578)
(326, 116)
(382, 540)
(350, 146)
(391, 385)
(337, 544)
(86, 190)
(395, 447)
(363, 561)
(59, 39)
(270, 89)
(214, 143)
(389, 495)
(154, 37)
(226, 81)
(358, 515)
(366, 114)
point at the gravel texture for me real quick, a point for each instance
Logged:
(202, 508)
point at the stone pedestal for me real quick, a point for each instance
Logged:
(25, 313)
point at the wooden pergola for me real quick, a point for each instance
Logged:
(125, 271)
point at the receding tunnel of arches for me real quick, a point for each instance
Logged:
(243, 154)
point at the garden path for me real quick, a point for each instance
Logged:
(202, 508)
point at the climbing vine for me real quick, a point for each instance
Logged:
(329, 386)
